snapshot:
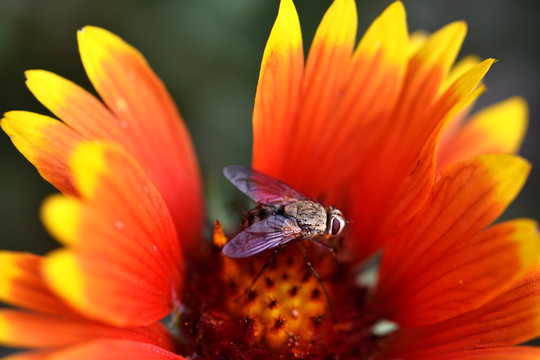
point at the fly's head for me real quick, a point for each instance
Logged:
(336, 222)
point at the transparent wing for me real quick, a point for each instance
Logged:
(263, 235)
(261, 187)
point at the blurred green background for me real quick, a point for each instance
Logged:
(208, 54)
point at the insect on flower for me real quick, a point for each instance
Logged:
(282, 215)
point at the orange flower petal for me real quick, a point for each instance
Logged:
(451, 101)
(29, 330)
(417, 184)
(460, 68)
(405, 141)
(278, 89)
(75, 106)
(374, 83)
(45, 142)
(417, 39)
(442, 247)
(511, 318)
(38, 355)
(124, 263)
(162, 146)
(421, 101)
(505, 353)
(21, 284)
(399, 176)
(516, 311)
(426, 71)
(325, 74)
(362, 106)
(499, 128)
(115, 350)
(133, 94)
(458, 96)
(101, 290)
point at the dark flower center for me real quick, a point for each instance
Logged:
(232, 310)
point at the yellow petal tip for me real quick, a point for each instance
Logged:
(285, 34)
(25, 129)
(443, 46)
(504, 124)
(50, 89)
(63, 273)
(4, 330)
(528, 237)
(8, 272)
(510, 170)
(338, 26)
(88, 163)
(61, 217)
(388, 34)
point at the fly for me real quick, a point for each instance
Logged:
(282, 215)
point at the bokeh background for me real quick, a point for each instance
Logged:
(208, 54)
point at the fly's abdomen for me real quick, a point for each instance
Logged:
(261, 212)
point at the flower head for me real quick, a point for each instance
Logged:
(380, 131)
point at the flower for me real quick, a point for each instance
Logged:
(381, 131)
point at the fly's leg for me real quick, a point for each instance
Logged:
(319, 279)
(265, 266)
(331, 250)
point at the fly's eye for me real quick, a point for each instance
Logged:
(336, 222)
(336, 227)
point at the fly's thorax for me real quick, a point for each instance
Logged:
(308, 214)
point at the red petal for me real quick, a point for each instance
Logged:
(439, 264)
(115, 350)
(326, 73)
(282, 151)
(155, 132)
(505, 353)
(77, 108)
(499, 128)
(511, 318)
(46, 143)
(278, 90)
(396, 180)
(359, 102)
(27, 355)
(124, 263)
(22, 284)
(364, 104)
(426, 71)
(27, 330)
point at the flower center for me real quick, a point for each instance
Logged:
(273, 305)
(281, 294)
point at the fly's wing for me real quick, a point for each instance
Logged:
(263, 235)
(261, 187)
